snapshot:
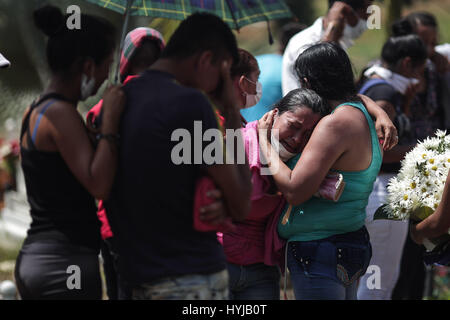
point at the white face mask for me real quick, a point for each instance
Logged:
(399, 82)
(280, 149)
(87, 87)
(253, 99)
(352, 33)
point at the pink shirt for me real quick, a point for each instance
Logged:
(256, 240)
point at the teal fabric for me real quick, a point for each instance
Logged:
(319, 218)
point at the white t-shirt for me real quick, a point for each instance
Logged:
(299, 43)
(444, 49)
(4, 62)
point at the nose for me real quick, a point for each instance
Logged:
(297, 138)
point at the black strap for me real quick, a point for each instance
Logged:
(26, 120)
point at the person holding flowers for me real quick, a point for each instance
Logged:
(438, 223)
(391, 85)
(418, 191)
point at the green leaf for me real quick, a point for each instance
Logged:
(421, 167)
(380, 214)
(421, 213)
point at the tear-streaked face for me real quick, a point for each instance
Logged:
(295, 128)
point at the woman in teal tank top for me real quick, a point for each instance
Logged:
(328, 246)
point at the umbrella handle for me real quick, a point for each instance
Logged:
(122, 40)
(270, 32)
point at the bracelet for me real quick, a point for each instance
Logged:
(114, 138)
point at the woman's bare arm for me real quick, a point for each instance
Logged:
(383, 123)
(94, 168)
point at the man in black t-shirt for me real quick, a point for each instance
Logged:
(150, 208)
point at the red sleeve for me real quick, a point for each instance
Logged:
(105, 228)
(95, 111)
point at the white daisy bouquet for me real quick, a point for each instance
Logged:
(415, 193)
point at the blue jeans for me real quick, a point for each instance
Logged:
(329, 269)
(254, 282)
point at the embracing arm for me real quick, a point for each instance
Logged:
(323, 149)
(94, 168)
(383, 123)
(396, 153)
(438, 223)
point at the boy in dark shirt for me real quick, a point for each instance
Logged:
(160, 254)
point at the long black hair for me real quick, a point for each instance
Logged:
(326, 69)
(95, 39)
(398, 48)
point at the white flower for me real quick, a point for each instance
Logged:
(422, 177)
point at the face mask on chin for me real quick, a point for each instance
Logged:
(87, 87)
(253, 99)
(352, 33)
(280, 149)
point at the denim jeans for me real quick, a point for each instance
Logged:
(329, 269)
(187, 287)
(254, 282)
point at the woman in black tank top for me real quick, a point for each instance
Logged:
(63, 171)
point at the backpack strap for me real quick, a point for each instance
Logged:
(371, 83)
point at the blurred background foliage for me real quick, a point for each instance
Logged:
(24, 45)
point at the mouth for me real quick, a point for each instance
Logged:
(288, 147)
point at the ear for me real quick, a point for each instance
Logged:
(237, 84)
(242, 84)
(204, 60)
(276, 116)
(88, 67)
(407, 63)
(305, 83)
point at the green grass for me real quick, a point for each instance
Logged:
(7, 259)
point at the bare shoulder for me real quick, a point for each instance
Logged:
(348, 116)
(347, 121)
(63, 117)
(61, 112)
